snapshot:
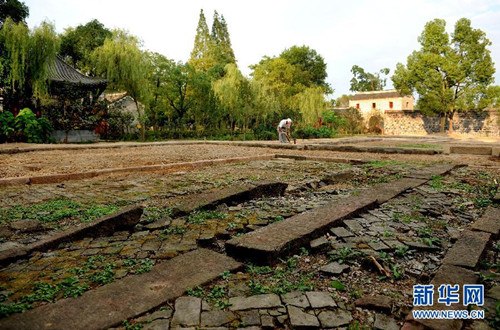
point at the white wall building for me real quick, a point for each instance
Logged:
(381, 100)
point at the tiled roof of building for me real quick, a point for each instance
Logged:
(63, 72)
(375, 95)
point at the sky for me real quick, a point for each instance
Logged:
(372, 34)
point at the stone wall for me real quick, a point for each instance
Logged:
(480, 123)
(75, 136)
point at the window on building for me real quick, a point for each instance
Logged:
(407, 105)
(391, 105)
(357, 105)
(374, 105)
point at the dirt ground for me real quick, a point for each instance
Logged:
(94, 157)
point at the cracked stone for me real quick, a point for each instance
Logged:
(301, 319)
(319, 299)
(187, 311)
(251, 317)
(253, 302)
(296, 298)
(333, 319)
(341, 232)
(216, 318)
(267, 322)
(334, 268)
(384, 322)
(354, 226)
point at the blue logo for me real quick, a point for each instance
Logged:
(448, 294)
(423, 295)
(473, 294)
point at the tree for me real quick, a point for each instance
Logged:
(14, 9)
(365, 81)
(124, 65)
(26, 56)
(202, 55)
(223, 52)
(342, 101)
(77, 44)
(311, 65)
(449, 74)
(312, 105)
(235, 95)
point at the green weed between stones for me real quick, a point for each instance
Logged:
(173, 230)
(56, 210)
(344, 254)
(200, 217)
(153, 213)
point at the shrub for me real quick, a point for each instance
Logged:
(376, 123)
(314, 133)
(30, 128)
(6, 126)
(351, 121)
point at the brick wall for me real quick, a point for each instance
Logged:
(481, 123)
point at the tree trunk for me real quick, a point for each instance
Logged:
(450, 122)
(442, 123)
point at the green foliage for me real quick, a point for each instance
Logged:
(196, 292)
(310, 132)
(174, 230)
(56, 210)
(6, 126)
(14, 9)
(363, 81)
(33, 130)
(11, 308)
(42, 292)
(450, 73)
(199, 217)
(436, 182)
(344, 254)
(336, 284)
(104, 276)
(144, 266)
(77, 44)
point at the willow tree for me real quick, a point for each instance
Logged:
(26, 57)
(235, 95)
(312, 104)
(121, 61)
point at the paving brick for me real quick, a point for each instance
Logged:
(468, 249)
(471, 150)
(187, 311)
(253, 302)
(127, 298)
(489, 222)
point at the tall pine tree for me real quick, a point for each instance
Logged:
(220, 35)
(202, 54)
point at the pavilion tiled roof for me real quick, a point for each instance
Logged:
(62, 72)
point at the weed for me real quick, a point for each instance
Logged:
(430, 241)
(401, 251)
(257, 288)
(336, 284)
(8, 309)
(397, 272)
(384, 256)
(144, 266)
(291, 263)
(42, 292)
(344, 254)
(231, 226)
(173, 230)
(130, 326)
(222, 303)
(356, 293)
(71, 287)
(152, 213)
(217, 292)
(277, 219)
(200, 217)
(482, 202)
(196, 292)
(387, 233)
(225, 275)
(259, 269)
(304, 251)
(436, 182)
(105, 276)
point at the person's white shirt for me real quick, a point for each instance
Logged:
(285, 123)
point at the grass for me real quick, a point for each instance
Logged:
(56, 210)
(200, 217)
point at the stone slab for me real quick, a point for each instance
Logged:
(430, 171)
(105, 226)
(378, 302)
(468, 249)
(471, 150)
(495, 151)
(258, 301)
(295, 298)
(301, 320)
(109, 305)
(389, 190)
(334, 319)
(265, 245)
(187, 311)
(489, 222)
(233, 194)
(320, 299)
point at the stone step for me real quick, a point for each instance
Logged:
(110, 305)
(230, 195)
(467, 251)
(468, 149)
(265, 245)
